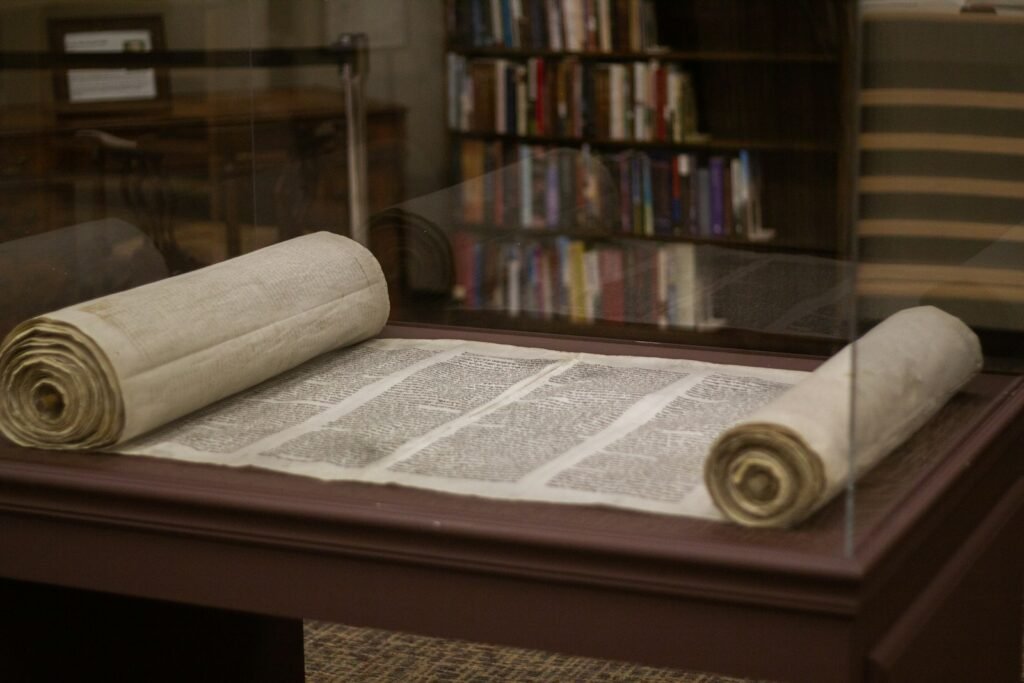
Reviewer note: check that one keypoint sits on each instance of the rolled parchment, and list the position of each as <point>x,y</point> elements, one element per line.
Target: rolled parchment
<point>790,457</point>
<point>101,372</point>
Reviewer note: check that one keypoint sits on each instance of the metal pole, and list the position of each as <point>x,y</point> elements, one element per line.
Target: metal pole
<point>353,73</point>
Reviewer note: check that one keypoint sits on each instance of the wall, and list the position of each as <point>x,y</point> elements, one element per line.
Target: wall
<point>407,44</point>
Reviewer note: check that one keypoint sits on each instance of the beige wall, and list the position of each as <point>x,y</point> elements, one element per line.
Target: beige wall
<point>407,67</point>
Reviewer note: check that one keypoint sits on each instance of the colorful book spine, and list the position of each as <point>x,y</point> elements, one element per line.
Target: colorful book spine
<point>647,192</point>
<point>577,282</point>
<point>572,25</point>
<point>703,202</point>
<point>716,194</point>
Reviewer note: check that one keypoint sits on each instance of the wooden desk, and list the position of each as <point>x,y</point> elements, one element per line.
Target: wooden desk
<point>254,159</point>
<point>931,592</point>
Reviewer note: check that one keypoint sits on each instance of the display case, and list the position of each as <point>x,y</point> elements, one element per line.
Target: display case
<point>680,333</point>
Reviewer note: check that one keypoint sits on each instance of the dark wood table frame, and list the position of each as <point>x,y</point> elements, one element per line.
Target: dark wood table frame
<point>134,565</point>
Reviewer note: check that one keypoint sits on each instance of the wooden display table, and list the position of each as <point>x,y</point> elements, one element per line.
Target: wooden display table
<point>931,591</point>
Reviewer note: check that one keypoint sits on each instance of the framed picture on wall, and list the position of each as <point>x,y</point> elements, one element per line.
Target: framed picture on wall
<point>109,88</point>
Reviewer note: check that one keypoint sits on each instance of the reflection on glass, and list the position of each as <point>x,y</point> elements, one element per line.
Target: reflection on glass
<point>941,187</point>
<point>570,235</point>
<point>680,173</point>
<point>50,270</point>
<point>239,140</point>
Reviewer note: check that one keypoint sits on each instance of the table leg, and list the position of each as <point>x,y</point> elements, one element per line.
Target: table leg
<point>60,634</point>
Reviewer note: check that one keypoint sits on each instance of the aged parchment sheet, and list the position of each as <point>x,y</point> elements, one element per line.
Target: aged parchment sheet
<point>485,419</point>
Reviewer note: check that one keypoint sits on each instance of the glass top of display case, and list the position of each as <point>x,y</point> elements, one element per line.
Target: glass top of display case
<point>745,198</point>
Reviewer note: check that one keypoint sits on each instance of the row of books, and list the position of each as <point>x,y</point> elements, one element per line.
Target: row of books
<point>627,281</point>
<point>628,193</point>
<point>570,25</point>
<point>685,195</point>
<point>533,187</point>
<point>649,101</point>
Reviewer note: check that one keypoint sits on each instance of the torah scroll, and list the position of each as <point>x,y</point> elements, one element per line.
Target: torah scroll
<point>789,457</point>
<point>162,370</point>
<point>101,372</point>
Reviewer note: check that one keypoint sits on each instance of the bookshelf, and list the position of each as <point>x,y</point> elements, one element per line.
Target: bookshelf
<point>596,142</point>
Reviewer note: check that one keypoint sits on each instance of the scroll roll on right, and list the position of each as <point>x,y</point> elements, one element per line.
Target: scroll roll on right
<point>790,457</point>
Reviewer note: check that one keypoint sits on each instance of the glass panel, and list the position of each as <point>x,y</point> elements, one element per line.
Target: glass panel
<point>231,132</point>
<point>631,175</point>
<point>940,208</point>
<point>682,174</point>
<point>652,171</point>
<point>642,180</point>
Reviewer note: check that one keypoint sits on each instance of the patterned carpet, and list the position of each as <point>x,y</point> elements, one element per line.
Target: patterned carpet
<point>336,654</point>
<point>342,654</point>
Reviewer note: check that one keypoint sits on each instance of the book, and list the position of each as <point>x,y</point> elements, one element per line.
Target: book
<point>513,273</point>
<point>604,25</point>
<point>601,77</point>
<point>501,97</point>
<point>613,298</point>
<point>662,266</point>
<point>507,23</point>
<point>538,215</point>
<point>703,194</point>
<point>555,30</point>
<point>660,78</point>
<point>646,195</point>
<point>471,191</point>
<point>525,186</point>
<point>639,90</point>
<point>570,25</point>
<point>543,259</point>
<point>689,190</point>
<point>577,282</point>
<point>739,197</point>
<point>636,179</point>
<point>484,94</point>
<point>685,285</point>
<point>729,228</point>
<point>454,64</point>
<point>572,14</point>
<point>591,284</point>
<point>623,173</point>
<point>617,124</point>
<point>552,191</point>
<point>522,104</point>
<point>663,188</point>
<point>716,195</point>
<point>562,267</point>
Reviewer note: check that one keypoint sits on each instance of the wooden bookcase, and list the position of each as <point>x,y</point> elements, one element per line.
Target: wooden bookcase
<point>770,81</point>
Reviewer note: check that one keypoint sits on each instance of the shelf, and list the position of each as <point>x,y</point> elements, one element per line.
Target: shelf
<point>666,55</point>
<point>444,312</point>
<point>708,144</point>
<point>769,78</point>
<point>594,235</point>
